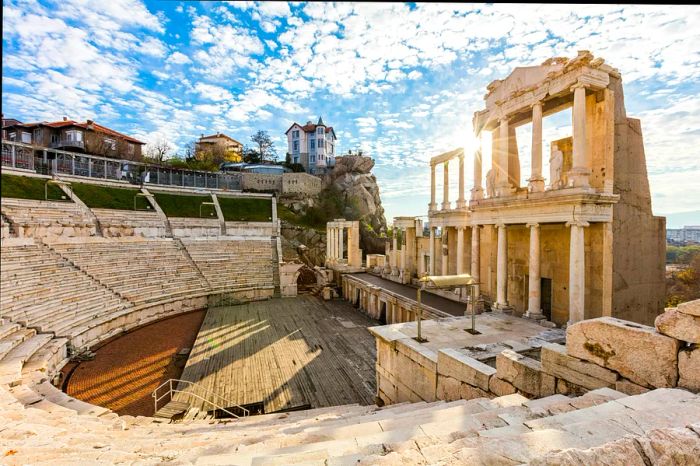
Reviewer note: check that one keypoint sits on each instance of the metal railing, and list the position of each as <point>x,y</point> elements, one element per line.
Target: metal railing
<point>171,390</point>
<point>48,161</point>
<point>67,143</point>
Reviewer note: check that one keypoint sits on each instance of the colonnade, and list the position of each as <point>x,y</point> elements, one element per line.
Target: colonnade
<point>337,252</point>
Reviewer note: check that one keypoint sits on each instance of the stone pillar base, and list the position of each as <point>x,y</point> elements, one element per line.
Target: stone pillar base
<point>462,204</point>
<point>578,177</point>
<point>394,272</point>
<point>477,193</point>
<point>505,190</point>
<point>534,315</point>
<point>432,207</point>
<point>446,206</point>
<point>503,308</point>
<point>536,184</point>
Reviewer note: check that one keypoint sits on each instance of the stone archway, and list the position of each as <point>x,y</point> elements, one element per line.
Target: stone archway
<point>305,279</point>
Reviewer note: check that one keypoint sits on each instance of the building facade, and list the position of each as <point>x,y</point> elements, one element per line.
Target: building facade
<point>312,146</point>
<point>578,244</point>
<point>685,235</point>
<point>230,149</point>
<point>69,135</point>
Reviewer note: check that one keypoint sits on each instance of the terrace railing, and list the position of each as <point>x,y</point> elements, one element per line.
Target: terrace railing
<point>48,161</point>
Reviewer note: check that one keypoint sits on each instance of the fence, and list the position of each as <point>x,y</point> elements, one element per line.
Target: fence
<point>48,161</point>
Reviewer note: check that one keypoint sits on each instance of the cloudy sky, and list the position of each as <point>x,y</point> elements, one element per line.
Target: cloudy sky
<point>400,81</point>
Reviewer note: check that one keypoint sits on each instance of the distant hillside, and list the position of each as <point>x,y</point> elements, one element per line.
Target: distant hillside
<point>681,219</point>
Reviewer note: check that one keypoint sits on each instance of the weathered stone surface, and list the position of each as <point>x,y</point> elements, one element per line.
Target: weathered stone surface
<point>454,364</point>
<point>553,354</point>
<point>671,446</point>
<point>679,325</point>
<point>629,388</point>
<point>522,372</point>
<point>637,352</point>
<point>569,388</point>
<point>689,368</point>
<point>574,377</point>
<point>500,387</point>
<point>448,388</point>
<point>467,392</point>
<point>691,308</point>
<point>620,452</point>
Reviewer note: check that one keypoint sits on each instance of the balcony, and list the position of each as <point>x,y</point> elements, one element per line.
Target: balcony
<point>71,143</point>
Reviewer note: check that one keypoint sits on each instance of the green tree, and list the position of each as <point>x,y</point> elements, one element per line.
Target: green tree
<point>266,148</point>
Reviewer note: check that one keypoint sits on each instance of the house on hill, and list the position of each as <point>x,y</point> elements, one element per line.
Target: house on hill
<point>73,136</point>
<point>312,145</point>
<point>230,149</point>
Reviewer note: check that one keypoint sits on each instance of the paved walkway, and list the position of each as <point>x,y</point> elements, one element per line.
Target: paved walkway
<point>438,302</point>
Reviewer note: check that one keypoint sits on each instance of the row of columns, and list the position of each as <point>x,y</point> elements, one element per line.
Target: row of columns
<point>577,268</point>
<point>335,249</point>
<point>579,173</point>
<point>446,204</point>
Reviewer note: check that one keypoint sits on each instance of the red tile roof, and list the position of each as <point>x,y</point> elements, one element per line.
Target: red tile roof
<point>311,128</point>
<point>95,127</point>
<point>220,135</point>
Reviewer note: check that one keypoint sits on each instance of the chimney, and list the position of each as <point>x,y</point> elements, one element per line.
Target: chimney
<point>65,118</point>
<point>89,124</point>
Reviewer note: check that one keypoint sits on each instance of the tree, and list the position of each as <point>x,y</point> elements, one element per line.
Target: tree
<point>158,150</point>
<point>251,155</point>
<point>266,147</point>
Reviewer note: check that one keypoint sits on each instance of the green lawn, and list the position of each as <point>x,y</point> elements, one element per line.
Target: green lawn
<point>245,210</point>
<point>103,197</point>
<point>28,187</point>
<point>175,205</point>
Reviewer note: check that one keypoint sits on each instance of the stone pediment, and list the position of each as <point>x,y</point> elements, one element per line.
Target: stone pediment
<point>521,79</point>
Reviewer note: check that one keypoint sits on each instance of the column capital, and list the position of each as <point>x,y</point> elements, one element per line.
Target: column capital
<point>461,228</point>
<point>537,103</point>
<point>577,223</point>
<point>532,225</point>
<point>476,225</point>
<point>578,85</point>
<point>499,225</point>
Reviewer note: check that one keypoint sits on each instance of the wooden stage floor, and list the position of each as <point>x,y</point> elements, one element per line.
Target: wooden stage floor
<point>284,353</point>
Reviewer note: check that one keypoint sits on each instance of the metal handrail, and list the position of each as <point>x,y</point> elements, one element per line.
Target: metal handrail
<point>172,390</point>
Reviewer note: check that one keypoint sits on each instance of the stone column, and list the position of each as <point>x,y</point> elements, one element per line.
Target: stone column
<point>403,249</point>
<point>431,261</point>
<point>394,252</point>
<point>461,202</point>
<point>335,244</point>
<point>579,172</point>
<point>477,190</point>
<point>502,270</point>
<point>445,252</point>
<point>536,181</point>
<point>433,204</point>
<point>502,183</point>
<point>534,301</point>
<point>328,244</point>
<point>341,231</point>
<point>577,271</point>
<point>446,185</point>
<point>476,250</point>
<point>460,250</point>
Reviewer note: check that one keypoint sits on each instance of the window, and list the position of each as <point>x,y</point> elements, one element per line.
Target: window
<point>319,130</point>
<point>313,143</point>
<point>54,137</point>
<point>332,149</point>
<point>38,136</point>
<point>110,143</point>
<point>295,146</point>
<point>26,137</point>
<point>12,136</point>
<point>295,133</point>
<point>312,158</point>
<point>130,148</point>
<point>320,143</point>
<point>74,135</point>
<point>296,159</point>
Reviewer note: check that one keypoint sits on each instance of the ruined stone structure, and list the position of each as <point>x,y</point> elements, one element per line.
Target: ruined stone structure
<point>343,245</point>
<point>584,245</point>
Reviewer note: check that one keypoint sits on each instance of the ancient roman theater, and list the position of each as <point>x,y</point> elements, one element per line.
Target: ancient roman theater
<point>519,325</point>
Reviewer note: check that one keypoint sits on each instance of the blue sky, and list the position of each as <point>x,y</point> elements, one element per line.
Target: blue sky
<point>400,81</point>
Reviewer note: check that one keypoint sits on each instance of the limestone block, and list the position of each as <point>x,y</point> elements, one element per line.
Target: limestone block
<point>448,388</point>
<point>553,354</point>
<point>569,388</point>
<point>575,377</point>
<point>621,451</point>
<point>522,372</point>
<point>454,364</point>
<point>500,387</point>
<point>679,325</point>
<point>467,392</point>
<point>548,385</point>
<point>629,388</point>
<point>691,308</point>
<point>637,352</point>
<point>689,368</point>
<point>671,446</point>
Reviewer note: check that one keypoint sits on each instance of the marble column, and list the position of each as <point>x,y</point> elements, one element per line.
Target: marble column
<point>431,261</point>
<point>461,202</point>
<point>335,244</point>
<point>433,204</point>
<point>341,232</point>
<point>460,250</point>
<point>403,249</point>
<point>534,300</point>
<point>502,270</point>
<point>328,244</point>
<point>577,271</point>
<point>476,250</point>
<point>446,185</point>
<point>477,190</point>
<point>579,172</point>
<point>502,183</point>
<point>445,252</point>
<point>394,252</point>
<point>536,181</point>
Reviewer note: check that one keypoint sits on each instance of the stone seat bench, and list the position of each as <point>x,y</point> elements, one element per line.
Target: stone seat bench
<point>11,365</point>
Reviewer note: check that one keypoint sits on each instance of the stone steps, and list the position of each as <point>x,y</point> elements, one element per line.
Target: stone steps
<point>11,365</point>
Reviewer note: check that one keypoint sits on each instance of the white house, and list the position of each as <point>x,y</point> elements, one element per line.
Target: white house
<point>311,145</point>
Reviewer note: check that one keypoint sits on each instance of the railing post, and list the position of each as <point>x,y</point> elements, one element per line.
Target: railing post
<point>105,173</point>
<point>72,165</point>
<point>14,156</point>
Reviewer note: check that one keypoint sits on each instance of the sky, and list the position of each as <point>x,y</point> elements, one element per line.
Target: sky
<point>400,81</point>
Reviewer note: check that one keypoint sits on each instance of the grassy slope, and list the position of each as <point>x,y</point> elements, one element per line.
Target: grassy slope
<point>103,197</point>
<point>175,205</point>
<point>27,187</point>
<point>246,210</point>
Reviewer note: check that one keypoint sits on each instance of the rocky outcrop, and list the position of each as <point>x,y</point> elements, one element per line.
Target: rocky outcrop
<point>302,244</point>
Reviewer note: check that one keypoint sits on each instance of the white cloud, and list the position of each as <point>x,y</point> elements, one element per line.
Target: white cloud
<point>178,58</point>
<point>211,92</point>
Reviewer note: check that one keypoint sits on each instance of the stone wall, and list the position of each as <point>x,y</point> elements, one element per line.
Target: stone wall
<point>602,352</point>
<point>301,184</point>
<point>261,182</point>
